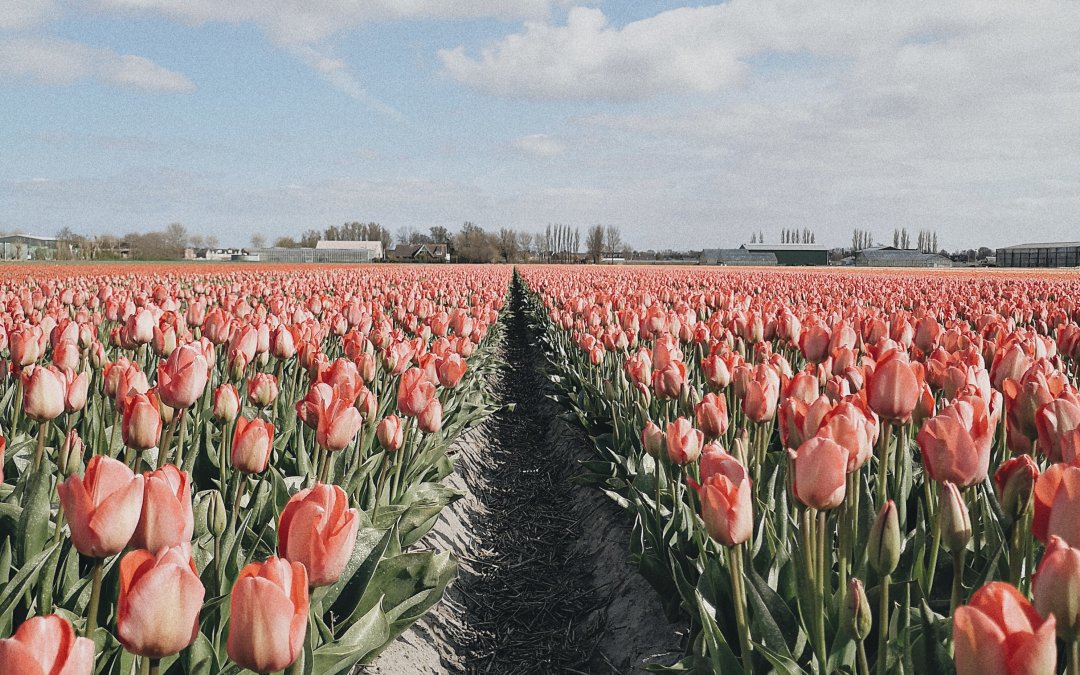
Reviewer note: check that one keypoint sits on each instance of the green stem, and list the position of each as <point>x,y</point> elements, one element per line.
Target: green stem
<point>738,591</point>
<point>1074,658</point>
<point>379,485</point>
<point>864,665</point>
<point>824,590</point>
<point>883,625</point>
<point>958,578</point>
<point>181,417</point>
<point>39,452</point>
<point>883,463</point>
<point>324,469</point>
<point>95,598</point>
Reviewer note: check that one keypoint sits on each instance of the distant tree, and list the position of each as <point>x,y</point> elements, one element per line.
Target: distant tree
<point>439,234</point>
<point>197,241</point>
<point>612,240</point>
<point>258,240</point>
<point>525,244</point>
<point>211,241</point>
<point>286,242</point>
<point>176,236</point>
<point>896,238</point>
<point>594,243</point>
<point>309,238</point>
<point>474,244</point>
<point>984,253</point>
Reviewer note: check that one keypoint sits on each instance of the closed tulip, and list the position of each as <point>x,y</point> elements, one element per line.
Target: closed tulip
<point>182,378</point>
<point>262,390</point>
<point>46,645</point>
<point>999,631</point>
<point>683,441</point>
<point>450,370</point>
<point>652,439</point>
<point>1055,421</point>
<point>161,595</point>
<point>762,393</point>
<point>76,387</point>
<point>415,391</point>
<point>727,507</point>
<point>167,520</point>
<point>821,473</point>
<point>430,419</point>
<point>102,507</point>
<point>268,615</point>
<point>141,426</point>
<point>338,425</point>
<point>1057,504</point>
<point>953,519</point>
<point>1015,483</point>
<point>226,403</point>
<point>251,444</point>
<point>390,433</point>
<point>44,391</point>
<point>893,387</point>
<point>668,382</point>
<point>317,528</point>
<point>1056,587</point>
<point>712,415</point>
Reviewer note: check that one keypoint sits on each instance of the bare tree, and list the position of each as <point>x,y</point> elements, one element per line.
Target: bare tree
<point>258,240</point>
<point>594,243</point>
<point>612,240</point>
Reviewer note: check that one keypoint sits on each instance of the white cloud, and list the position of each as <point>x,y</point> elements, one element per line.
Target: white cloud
<point>539,145</point>
<point>51,61</point>
<point>337,73</point>
<point>22,14</point>
<point>706,50</point>
<point>292,21</point>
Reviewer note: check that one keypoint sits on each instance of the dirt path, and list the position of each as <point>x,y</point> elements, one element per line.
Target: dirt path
<point>544,586</point>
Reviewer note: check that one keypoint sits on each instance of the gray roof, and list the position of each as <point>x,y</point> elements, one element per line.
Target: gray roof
<point>784,247</point>
<point>893,254</point>
<point>1051,244</point>
<point>737,256</point>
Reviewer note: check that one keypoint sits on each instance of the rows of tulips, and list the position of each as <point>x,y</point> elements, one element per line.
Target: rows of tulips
<point>207,472</point>
<point>837,472</point>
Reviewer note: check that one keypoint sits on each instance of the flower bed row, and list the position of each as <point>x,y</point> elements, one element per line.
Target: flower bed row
<point>207,472</point>
<point>837,472</point>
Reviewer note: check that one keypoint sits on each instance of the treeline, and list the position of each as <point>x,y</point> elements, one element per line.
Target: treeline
<point>167,244</point>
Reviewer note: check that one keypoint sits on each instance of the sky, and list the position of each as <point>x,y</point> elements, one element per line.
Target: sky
<point>686,126</point>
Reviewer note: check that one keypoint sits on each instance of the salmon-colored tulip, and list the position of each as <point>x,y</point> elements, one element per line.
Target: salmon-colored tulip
<point>44,390</point>
<point>854,427</point>
<point>76,387</point>
<point>727,500</point>
<point>668,382</point>
<point>102,507</point>
<point>167,518</point>
<point>1055,421</point>
<point>390,433</point>
<point>762,393</point>
<point>450,370</point>
<point>415,391</point>
<point>893,386</point>
<point>821,473</point>
<point>268,617</point>
<point>161,595</point>
<point>1015,483</point>
<point>226,403</point>
<point>251,445</point>
<point>683,441</point>
<point>999,631</point>
<point>182,378</point>
<point>46,645</point>
<point>712,415</point>
<point>1057,504</point>
<point>310,408</point>
<point>430,419</point>
<point>141,426</point>
<point>338,425</point>
<point>317,528</point>
<point>652,439</point>
<point>956,443</point>
<point>1056,587</point>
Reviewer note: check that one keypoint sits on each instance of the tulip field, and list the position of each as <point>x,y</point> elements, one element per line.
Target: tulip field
<point>232,469</point>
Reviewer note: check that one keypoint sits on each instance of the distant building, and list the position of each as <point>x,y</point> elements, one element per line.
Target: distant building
<point>421,253</point>
<point>219,254</point>
<point>277,254</point>
<point>1059,254</point>
<point>889,256</point>
<point>27,247</point>
<point>372,249</point>
<point>736,257</point>
<point>793,254</point>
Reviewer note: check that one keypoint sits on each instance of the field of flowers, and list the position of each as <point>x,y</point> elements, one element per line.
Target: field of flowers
<point>225,469</point>
<point>207,470</point>
<point>837,472</point>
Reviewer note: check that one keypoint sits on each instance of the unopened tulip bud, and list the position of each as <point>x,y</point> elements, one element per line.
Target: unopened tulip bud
<point>652,439</point>
<point>216,519</point>
<point>430,418</point>
<point>1015,483</point>
<point>71,454</point>
<point>226,403</point>
<point>885,545</point>
<point>856,616</point>
<point>237,365</point>
<point>390,433</point>
<point>1055,587</point>
<point>953,519</point>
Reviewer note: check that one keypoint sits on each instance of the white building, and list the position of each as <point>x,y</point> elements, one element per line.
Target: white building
<point>373,249</point>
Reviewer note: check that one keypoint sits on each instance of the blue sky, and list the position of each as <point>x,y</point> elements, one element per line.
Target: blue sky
<point>686,126</point>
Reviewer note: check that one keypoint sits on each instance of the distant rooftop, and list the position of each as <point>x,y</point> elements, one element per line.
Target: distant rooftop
<point>1051,244</point>
<point>784,247</point>
<point>324,244</point>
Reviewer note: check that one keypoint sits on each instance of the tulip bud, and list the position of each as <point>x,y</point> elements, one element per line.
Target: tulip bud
<point>237,364</point>
<point>226,403</point>
<point>856,615</point>
<point>390,433</point>
<point>1056,587</point>
<point>885,543</point>
<point>71,454</point>
<point>216,519</point>
<point>652,439</point>
<point>953,519</point>
<point>1015,482</point>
